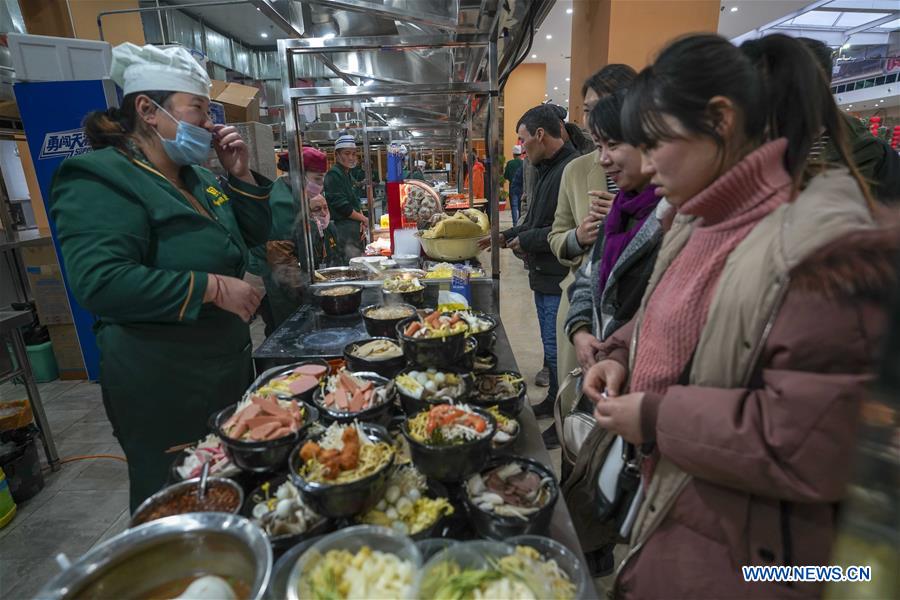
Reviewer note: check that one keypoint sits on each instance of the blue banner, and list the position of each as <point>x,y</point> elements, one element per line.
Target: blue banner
<point>52,114</point>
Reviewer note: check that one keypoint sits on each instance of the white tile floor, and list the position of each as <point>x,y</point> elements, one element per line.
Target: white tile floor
<point>86,502</point>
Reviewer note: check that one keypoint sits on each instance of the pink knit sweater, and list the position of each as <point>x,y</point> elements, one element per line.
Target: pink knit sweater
<point>677,310</point>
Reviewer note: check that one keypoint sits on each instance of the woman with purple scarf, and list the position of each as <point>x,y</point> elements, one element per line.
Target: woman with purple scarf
<point>608,288</point>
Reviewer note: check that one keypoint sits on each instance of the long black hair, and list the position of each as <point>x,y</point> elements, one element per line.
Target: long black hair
<point>605,119</point>
<point>113,126</point>
<point>609,79</point>
<point>775,82</point>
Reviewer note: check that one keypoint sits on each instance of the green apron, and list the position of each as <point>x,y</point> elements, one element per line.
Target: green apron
<point>342,200</point>
<point>137,255</point>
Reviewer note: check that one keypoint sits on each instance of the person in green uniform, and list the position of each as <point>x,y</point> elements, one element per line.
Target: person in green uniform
<point>327,251</point>
<point>418,172</point>
<point>343,202</point>
<point>156,248</point>
<point>277,261</point>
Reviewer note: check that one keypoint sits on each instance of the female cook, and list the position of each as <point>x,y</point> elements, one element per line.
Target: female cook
<point>343,200</point>
<point>156,248</point>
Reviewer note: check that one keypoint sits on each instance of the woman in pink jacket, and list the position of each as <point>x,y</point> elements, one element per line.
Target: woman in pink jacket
<point>742,374</point>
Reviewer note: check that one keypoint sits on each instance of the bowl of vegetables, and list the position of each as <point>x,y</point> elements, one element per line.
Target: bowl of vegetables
<point>361,396</point>
<point>340,299</point>
<point>487,569</point>
<point>504,389</point>
<point>357,562</point>
<point>411,505</point>
<point>259,431</point>
<point>558,564</point>
<point>278,509</point>
<point>434,340</point>
<point>508,430</point>
<point>449,442</point>
<point>481,327</point>
<point>297,381</point>
<point>380,355</point>
<point>381,319</point>
<point>419,389</point>
<point>403,290</point>
<point>343,470</point>
<point>513,495</point>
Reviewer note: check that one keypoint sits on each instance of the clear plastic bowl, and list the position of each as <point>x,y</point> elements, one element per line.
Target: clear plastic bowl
<point>353,539</point>
<point>567,560</point>
<point>468,555</point>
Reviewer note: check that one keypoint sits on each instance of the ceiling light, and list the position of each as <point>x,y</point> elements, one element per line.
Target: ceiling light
<point>567,100</point>
<point>264,34</point>
<point>555,88</point>
<point>569,11</point>
<point>845,46</point>
<point>534,56</point>
<point>329,36</point>
<point>567,79</point>
<point>549,37</point>
<point>851,106</point>
<point>734,9</point>
<point>545,95</point>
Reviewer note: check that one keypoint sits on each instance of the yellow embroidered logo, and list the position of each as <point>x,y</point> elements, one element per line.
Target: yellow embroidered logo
<point>218,197</point>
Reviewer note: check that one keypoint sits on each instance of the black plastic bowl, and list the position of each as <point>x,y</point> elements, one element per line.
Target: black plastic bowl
<point>508,405</point>
<point>487,338</point>
<point>282,543</point>
<point>344,499</point>
<point>467,362</point>
<point>261,457</point>
<point>431,352</point>
<point>434,489</point>
<point>416,298</point>
<point>380,414</point>
<point>384,327</point>
<point>279,371</point>
<point>339,305</point>
<point>388,367</point>
<point>451,463</point>
<point>496,527</point>
<point>412,405</point>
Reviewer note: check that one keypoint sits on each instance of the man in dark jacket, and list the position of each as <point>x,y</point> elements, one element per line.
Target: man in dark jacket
<point>540,130</point>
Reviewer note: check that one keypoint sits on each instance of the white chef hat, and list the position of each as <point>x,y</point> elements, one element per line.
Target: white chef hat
<point>403,149</point>
<point>345,141</point>
<point>517,149</point>
<point>149,68</point>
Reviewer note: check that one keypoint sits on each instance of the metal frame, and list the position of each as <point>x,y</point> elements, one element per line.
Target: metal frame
<point>368,99</point>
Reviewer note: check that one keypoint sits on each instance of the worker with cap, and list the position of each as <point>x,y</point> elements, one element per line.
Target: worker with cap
<point>277,261</point>
<point>515,184</point>
<point>418,172</point>
<point>156,247</point>
<point>343,200</point>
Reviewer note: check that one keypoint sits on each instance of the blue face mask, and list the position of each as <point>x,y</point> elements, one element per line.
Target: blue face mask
<point>191,143</point>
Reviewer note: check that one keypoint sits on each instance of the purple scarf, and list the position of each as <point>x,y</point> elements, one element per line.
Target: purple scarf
<point>626,206</point>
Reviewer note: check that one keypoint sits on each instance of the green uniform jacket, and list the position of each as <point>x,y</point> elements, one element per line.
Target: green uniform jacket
<point>342,200</point>
<point>282,299</point>
<point>417,174</point>
<point>137,254</point>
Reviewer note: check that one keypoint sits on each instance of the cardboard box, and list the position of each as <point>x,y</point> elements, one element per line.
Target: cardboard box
<point>241,101</point>
<point>47,285</point>
<point>67,352</point>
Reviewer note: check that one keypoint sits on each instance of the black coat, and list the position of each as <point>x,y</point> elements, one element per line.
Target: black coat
<point>544,271</point>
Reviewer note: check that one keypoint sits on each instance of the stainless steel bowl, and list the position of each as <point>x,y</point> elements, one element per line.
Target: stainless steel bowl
<point>142,559</point>
<point>177,489</point>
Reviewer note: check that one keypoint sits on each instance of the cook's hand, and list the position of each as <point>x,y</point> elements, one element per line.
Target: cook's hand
<point>514,245</point>
<point>232,294</point>
<point>587,232</point>
<point>586,347</point>
<point>232,152</point>
<point>485,243</point>
<point>621,415</point>
<point>607,375</point>
<point>601,202</point>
